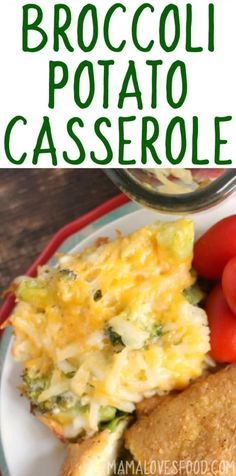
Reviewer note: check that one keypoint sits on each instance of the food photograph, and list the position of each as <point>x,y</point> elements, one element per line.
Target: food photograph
<point>118,322</point>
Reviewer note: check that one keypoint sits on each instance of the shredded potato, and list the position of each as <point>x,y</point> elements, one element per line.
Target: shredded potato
<point>110,326</point>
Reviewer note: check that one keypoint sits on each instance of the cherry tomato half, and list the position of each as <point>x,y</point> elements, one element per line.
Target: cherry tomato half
<point>222,323</point>
<point>229,284</point>
<point>215,248</point>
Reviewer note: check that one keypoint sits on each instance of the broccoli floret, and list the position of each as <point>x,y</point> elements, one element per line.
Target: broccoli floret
<point>157,331</point>
<point>34,387</point>
<point>32,291</point>
<point>71,374</point>
<point>114,337</point>
<point>68,274</point>
<point>194,294</point>
<point>97,295</point>
<point>64,401</point>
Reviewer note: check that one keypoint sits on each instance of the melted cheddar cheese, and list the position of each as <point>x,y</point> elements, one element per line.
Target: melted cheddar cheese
<point>110,326</point>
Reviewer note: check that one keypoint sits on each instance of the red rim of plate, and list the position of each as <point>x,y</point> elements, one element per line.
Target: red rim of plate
<point>56,241</point>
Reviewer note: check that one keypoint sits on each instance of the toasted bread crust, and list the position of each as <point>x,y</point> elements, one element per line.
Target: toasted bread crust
<point>198,424</point>
<point>55,427</point>
<point>148,405</point>
<point>96,455</point>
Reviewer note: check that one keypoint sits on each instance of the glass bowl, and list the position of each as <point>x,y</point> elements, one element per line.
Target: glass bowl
<point>176,194</point>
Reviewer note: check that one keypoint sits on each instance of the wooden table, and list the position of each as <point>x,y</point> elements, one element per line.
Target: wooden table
<point>34,204</point>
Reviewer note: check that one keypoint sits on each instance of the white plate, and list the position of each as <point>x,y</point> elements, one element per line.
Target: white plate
<point>28,448</point>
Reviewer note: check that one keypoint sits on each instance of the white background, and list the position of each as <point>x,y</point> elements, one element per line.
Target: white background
<point>211,82</point>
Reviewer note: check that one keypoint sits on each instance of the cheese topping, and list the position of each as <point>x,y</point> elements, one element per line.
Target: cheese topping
<point>110,326</point>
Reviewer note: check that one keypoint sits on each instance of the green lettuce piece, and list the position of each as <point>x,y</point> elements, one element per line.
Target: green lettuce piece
<point>112,425</point>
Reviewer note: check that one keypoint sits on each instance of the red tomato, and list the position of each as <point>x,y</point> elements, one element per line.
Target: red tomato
<point>229,284</point>
<point>215,248</point>
<point>201,175</point>
<point>222,324</point>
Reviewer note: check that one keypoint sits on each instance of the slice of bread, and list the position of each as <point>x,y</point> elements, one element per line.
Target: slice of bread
<point>96,455</point>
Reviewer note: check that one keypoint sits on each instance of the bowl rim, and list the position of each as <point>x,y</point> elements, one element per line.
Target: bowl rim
<point>190,202</point>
